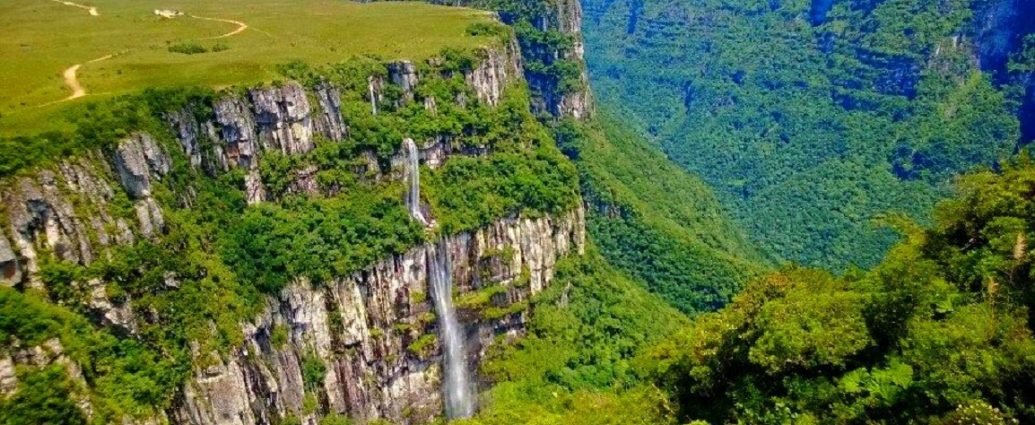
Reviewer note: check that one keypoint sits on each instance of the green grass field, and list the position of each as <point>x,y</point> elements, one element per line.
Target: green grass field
<point>43,38</point>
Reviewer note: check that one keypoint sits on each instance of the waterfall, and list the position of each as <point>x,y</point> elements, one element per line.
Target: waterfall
<point>413,180</point>
<point>457,388</point>
<point>373,95</point>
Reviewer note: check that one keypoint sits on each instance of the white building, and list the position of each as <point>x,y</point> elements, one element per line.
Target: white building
<point>168,13</point>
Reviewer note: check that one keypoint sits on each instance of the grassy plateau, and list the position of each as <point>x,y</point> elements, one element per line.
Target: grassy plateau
<point>122,46</point>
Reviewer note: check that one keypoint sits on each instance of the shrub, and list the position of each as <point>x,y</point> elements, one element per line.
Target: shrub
<point>188,48</point>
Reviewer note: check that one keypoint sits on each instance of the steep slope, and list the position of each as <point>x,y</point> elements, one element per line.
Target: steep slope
<point>811,119</point>
<point>650,220</point>
<point>654,220</point>
<point>550,34</point>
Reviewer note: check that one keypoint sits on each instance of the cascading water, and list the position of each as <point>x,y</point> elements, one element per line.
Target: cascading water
<point>457,386</point>
<point>413,180</point>
<point>373,95</point>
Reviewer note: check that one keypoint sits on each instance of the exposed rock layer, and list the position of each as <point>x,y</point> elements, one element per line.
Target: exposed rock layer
<point>365,328</point>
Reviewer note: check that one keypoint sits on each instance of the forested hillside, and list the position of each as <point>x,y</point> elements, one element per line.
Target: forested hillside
<point>811,119</point>
<point>940,332</point>
<point>655,220</point>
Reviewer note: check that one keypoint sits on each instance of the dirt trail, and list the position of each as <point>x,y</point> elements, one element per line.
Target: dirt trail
<point>72,79</point>
<point>92,10</point>
<point>71,74</point>
<point>241,26</point>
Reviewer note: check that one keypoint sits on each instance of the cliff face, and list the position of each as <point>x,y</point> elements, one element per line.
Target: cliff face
<point>370,330</point>
<point>1002,30</point>
<point>288,118</point>
<point>565,96</point>
<point>372,334</point>
<point>576,102</point>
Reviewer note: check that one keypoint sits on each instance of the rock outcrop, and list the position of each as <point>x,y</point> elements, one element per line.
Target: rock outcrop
<point>575,103</point>
<point>289,118</point>
<point>404,75</point>
<point>369,331</point>
<point>550,96</point>
<point>490,77</point>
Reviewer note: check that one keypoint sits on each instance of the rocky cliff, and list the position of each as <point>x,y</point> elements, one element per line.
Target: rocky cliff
<point>362,345</point>
<point>375,330</point>
<point>1003,32</point>
<point>558,78</point>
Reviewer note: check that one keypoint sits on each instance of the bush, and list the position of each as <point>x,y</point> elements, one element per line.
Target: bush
<point>313,371</point>
<point>188,48</point>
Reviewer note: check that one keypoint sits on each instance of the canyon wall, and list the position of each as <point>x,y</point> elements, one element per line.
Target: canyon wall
<point>373,333</point>
<point>375,330</point>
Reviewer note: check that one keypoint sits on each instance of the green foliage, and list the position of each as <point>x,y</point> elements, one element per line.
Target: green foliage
<point>801,330</point>
<point>573,367</point>
<point>655,221</point>
<point>43,396</point>
<point>335,419</point>
<point>218,258</point>
<point>940,332</point>
<point>423,346</point>
<point>547,52</point>
<point>96,125</point>
<point>274,243</point>
<point>313,371</point>
<point>279,336</point>
<point>188,48</point>
<point>808,125</point>
<point>468,193</point>
<point>478,299</point>
<point>128,376</point>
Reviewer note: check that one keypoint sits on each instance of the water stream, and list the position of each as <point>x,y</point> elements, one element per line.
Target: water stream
<point>413,180</point>
<point>457,387</point>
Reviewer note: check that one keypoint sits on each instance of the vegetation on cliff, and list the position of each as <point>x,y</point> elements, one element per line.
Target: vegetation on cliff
<point>574,366</point>
<point>940,332</point>
<point>846,113</point>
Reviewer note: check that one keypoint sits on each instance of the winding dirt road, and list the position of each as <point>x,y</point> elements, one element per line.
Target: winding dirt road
<point>71,74</point>
<point>89,9</point>
<point>241,26</point>
<point>72,79</point>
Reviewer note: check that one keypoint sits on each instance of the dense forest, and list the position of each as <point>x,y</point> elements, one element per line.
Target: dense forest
<point>939,332</point>
<point>810,119</point>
